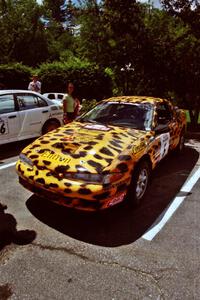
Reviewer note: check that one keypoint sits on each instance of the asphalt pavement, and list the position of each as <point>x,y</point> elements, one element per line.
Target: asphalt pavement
<point>51,252</point>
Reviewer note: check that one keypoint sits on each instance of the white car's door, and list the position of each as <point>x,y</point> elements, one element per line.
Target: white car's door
<point>33,112</point>
<point>9,119</point>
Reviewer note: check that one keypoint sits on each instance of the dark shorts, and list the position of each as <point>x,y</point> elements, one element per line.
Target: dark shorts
<point>70,116</point>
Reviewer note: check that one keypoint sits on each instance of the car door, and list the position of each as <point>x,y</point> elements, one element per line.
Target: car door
<point>9,119</point>
<point>165,115</point>
<point>161,144</point>
<point>166,126</point>
<point>33,112</point>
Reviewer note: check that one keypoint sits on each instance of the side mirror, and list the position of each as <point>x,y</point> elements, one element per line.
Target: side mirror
<point>161,128</point>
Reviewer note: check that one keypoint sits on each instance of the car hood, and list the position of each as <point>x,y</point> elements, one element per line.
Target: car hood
<point>86,147</point>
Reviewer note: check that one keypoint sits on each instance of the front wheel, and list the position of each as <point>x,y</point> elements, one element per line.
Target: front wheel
<point>139,183</point>
<point>50,125</point>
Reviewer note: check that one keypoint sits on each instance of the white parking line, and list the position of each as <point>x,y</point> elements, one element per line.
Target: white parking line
<point>8,165</point>
<point>187,187</point>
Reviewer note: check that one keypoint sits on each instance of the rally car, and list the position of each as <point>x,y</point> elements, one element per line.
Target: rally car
<point>106,155</point>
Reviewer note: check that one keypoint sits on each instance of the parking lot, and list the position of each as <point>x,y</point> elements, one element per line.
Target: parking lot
<point>76,255</point>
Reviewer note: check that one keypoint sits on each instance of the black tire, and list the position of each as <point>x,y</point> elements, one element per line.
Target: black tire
<point>180,147</point>
<point>139,183</point>
<point>50,125</point>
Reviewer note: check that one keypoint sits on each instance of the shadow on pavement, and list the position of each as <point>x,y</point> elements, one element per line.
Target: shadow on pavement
<point>120,225</point>
<point>193,135</point>
<point>9,233</point>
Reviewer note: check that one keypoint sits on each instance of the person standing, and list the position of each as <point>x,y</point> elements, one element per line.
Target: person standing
<point>70,104</point>
<point>35,84</point>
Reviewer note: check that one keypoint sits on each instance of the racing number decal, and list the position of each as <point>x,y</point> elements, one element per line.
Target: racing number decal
<point>161,144</point>
<point>164,147</point>
<point>3,127</point>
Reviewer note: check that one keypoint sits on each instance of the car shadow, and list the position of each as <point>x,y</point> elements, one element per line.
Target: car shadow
<point>13,149</point>
<point>121,224</point>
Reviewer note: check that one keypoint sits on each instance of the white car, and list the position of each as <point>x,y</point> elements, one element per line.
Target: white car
<point>54,96</point>
<point>26,114</point>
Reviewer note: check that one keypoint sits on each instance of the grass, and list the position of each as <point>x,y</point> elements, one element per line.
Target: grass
<point>188,117</point>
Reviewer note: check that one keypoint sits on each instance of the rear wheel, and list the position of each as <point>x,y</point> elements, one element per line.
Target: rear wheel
<point>50,125</point>
<point>179,148</point>
<point>139,183</point>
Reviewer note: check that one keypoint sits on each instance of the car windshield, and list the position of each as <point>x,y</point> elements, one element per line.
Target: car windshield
<point>133,115</point>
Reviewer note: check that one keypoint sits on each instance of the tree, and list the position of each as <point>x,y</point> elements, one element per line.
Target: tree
<point>125,28</point>
<point>22,32</point>
<point>188,53</point>
<point>112,35</point>
<point>59,19</point>
<point>55,10</point>
<point>91,40</point>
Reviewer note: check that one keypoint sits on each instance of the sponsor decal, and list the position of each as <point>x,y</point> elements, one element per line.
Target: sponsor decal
<point>116,199</point>
<point>97,127</point>
<point>54,157</point>
<point>164,139</point>
<point>139,147</point>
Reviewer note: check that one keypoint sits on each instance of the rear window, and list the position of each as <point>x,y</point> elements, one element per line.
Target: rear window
<point>7,104</point>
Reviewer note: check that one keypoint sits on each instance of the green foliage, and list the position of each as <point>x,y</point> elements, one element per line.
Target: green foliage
<point>92,40</point>
<point>87,105</point>
<point>105,47</point>
<point>22,34</point>
<point>187,54</point>
<point>53,9</point>
<point>15,76</point>
<point>91,81</point>
<point>125,30</point>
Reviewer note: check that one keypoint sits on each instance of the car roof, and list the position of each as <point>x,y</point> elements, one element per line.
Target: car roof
<point>16,91</point>
<point>135,99</point>
<point>54,93</point>
<point>49,101</point>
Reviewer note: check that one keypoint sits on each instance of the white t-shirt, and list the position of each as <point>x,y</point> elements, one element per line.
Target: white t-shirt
<point>35,86</point>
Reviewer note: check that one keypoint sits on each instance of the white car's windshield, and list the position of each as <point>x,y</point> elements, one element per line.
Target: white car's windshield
<point>134,115</point>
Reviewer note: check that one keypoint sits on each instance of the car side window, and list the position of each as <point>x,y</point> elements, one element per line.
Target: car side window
<point>164,113</point>
<point>7,104</point>
<point>60,96</point>
<point>41,102</point>
<point>30,101</point>
<point>51,96</point>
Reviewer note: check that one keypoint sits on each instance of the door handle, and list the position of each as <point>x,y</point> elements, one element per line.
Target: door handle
<point>12,117</point>
<point>45,111</point>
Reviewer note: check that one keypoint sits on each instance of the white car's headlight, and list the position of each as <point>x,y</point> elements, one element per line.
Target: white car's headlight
<point>23,158</point>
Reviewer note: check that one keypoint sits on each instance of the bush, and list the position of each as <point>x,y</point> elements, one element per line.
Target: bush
<point>15,76</point>
<point>91,82</point>
<point>87,105</point>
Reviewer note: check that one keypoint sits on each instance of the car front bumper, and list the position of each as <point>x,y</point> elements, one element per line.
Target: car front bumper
<point>76,203</point>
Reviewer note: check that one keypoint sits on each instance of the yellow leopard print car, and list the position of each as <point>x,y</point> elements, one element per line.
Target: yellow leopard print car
<point>106,155</point>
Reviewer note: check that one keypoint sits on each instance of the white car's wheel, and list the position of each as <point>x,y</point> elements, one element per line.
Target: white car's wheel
<point>50,125</point>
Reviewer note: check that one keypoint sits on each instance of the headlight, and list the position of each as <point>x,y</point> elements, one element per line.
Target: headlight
<point>94,178</point>
<point>23,158</point>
